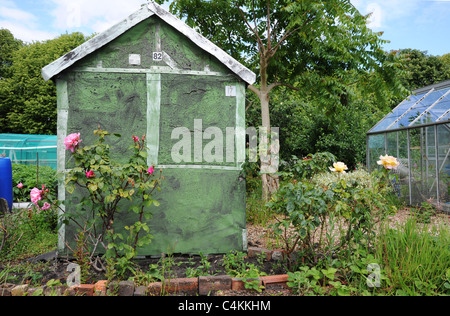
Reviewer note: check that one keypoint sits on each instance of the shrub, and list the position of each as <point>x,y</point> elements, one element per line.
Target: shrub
<point>103,183</point>
<point>311,199</point>
<point>30,178</point>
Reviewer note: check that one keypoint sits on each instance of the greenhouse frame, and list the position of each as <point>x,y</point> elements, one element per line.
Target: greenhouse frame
<point>417,133</point>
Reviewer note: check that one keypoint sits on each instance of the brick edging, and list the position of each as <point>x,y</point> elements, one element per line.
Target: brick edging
<point>202,286</point>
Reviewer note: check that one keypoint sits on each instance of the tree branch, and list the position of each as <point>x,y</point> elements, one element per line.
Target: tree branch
<point>254,89</point>
<point>278,84</point>
<point>254,31</point>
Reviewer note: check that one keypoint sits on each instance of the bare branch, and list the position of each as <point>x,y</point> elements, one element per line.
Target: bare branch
<point>254,30</point>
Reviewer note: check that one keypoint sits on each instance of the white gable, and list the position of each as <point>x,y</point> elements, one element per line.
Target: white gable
<point>144,13</point>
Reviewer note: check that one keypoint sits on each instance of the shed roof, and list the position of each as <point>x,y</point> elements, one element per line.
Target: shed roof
<point>61,64</point>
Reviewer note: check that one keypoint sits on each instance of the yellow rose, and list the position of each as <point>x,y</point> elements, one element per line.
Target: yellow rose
<point>388,162</point>
<point>339,167</point>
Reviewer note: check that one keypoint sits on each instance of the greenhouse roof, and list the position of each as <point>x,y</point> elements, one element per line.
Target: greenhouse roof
<point>427,105</point>
<point>19,141</point>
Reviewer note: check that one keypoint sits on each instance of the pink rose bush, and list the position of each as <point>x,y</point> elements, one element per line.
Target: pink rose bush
<point>106,182</point>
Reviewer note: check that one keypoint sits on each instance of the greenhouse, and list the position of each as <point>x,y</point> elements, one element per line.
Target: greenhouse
<point>29,149</point>
<point>417,132</point>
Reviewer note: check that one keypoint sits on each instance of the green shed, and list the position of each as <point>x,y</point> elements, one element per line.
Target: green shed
<point>152,74</point>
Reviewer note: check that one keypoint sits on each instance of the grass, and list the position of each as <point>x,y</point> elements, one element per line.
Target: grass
<point>24,234</point>
<point>415,257</point>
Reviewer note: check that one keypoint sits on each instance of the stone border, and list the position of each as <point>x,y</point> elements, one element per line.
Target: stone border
<point>202,286</point>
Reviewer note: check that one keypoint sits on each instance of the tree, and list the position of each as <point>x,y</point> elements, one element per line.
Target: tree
<point>8,45</point>
<point>27,102</point>
<point>424,69</point>
<point>318,48</point>
<point>446,60</point>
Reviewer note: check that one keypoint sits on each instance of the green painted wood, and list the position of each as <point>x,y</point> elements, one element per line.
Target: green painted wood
<point>200,211</point>
<point>153,117</point>
<point>63,114</point>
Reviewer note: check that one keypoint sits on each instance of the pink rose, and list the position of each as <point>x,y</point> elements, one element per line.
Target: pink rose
<point>136,139</point>
<point>150,170</point>
<point>46,206</point>
<point>35,195</point>
<point>72,141</point>
<point>90,174</point>
<point>20,185</point>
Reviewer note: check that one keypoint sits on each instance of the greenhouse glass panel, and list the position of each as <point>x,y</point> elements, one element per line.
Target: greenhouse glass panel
<point>444,162</point>
<point>29,149</point>
<point>441,108</point>
<point>397,113</point>
<point>376,149</point>
<point>429,158</point>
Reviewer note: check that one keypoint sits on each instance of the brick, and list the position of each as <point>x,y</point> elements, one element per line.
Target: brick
<point>84,289</point>
<point>141,291</point>
<point>210,284</point>
<point>126,288</point>
<point>19,290</point>
<point>274,281</point>
<point>100,288</point>
<point>153,289</point>
<point>5,289</point>
<point>253,252</point>
<point>41,289</point>
<point>186,286</point>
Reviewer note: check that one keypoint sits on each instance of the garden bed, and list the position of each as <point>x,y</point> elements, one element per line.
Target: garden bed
<point>180,268</point>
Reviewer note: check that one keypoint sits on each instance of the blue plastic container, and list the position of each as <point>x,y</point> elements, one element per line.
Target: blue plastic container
<point>6,190</point>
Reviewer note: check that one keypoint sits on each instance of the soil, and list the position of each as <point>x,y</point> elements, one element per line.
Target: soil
<point>177,265</point>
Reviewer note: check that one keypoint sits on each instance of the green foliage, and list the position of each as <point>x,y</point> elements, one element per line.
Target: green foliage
<point>424,69</point>
<point>26,233</point>
<point>307,167</point>
<point>8,45</point>
<point>30,178</point>
<point>235,266</point>
<point>27,102</point>
<point>416,258</point>
<point>306,201</point>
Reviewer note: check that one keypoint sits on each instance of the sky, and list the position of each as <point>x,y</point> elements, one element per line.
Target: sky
<point>417,24</point>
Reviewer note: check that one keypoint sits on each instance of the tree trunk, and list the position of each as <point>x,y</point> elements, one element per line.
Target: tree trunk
<point>270,182</point>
